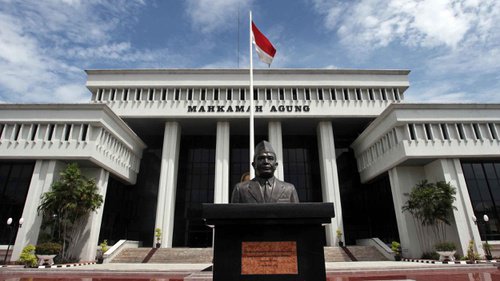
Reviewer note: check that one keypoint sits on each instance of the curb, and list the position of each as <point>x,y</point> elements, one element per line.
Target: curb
<point>66,265</point>
<point>450,262</point>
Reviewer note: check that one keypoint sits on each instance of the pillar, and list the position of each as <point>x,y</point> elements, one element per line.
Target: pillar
<point>464,229</point>
<point>329,178</point>
<point>276,140</point>
<point>168,182</point>
<point>221,186</point>
<point>44,173</point>
<point>88,239</point>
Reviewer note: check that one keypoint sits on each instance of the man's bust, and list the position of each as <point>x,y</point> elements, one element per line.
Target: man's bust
<point>264,188</point>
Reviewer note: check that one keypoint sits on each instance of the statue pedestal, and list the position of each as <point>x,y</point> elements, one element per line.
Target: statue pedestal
<point>268,241</point>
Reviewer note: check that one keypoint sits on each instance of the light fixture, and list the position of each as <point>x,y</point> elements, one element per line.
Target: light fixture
<point>486,218</point>
<point>9,221</point>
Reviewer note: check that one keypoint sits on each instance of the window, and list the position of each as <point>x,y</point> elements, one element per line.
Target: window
<point>346,94</point>
<point>384,94</point>
<point>125,94</point>
<point>242,94</point>
<point>483,184</point>
<point>177,94</point>
<point>358,94</point>
<point>461,132</point>
<point>164,94</point>
<point>370,94</point>
<point>282,94</point>
<point>216,94</point>
<point>333,94</point>
<point>203,92</point>
<point>444,131</point>
<point>493,132</point>
<point>428,131</point>
<point>15,178</point>
<point>190,94</point>
<point>411,129</point>
<point>320,94</point>
<point>229,94</point>
<point>268,94</point>
<point>308,94</point>
<point>477,131</point>
<point>294,94</point>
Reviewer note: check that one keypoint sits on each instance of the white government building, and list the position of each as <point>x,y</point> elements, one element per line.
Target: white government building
<point>162,141</point>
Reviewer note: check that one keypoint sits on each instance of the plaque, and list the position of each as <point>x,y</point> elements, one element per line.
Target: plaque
<point>265,258</point>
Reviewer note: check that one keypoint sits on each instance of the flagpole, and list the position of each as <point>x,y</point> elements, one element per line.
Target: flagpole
<point>252,173</point>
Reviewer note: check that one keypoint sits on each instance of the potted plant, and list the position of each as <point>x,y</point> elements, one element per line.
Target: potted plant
<point>103,247</point>
<point>487,251</point>
<point>339,237</point>
<point>396,248</point>
<point>158,237</point>
<point>471,255</point>
<point>46,252</point>
<point>446,251</point>
<point>28,257</point>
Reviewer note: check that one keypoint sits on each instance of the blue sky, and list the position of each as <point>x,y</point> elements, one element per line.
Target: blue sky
<point>452,47</point>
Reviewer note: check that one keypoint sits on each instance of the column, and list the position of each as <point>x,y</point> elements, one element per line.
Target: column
<point>168,182</point>
<point>276,140</point>
<point>86,249</point>
<point>221,187</point>
<point>329,178</point>
<point>464,229</point>
<point>402,180</point>
<point>44,173</point>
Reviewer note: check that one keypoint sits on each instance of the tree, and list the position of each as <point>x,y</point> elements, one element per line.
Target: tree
<point>431,205</point>
<point>71,199</point>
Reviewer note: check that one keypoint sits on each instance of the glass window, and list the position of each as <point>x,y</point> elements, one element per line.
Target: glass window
<point>195,185</point>
<point>15,178</point>
<point>483,184</point>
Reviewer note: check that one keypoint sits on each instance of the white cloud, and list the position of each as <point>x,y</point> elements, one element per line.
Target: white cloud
<point>45,44</point>
<point>214,15</point>
<point>427,23</point>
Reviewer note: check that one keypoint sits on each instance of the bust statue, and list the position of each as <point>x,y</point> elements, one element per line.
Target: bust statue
<point>264,188</point>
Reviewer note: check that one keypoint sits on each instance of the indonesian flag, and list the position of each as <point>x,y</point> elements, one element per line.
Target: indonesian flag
<point>264,48</point>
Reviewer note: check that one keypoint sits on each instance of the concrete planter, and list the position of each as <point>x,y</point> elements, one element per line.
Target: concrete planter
<point>45,259</point>
<point>446,255</point>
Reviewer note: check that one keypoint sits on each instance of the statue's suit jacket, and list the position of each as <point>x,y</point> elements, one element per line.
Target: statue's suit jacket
<point>250,192</point>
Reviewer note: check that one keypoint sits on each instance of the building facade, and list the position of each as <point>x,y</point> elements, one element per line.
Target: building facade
<point>161,142</point>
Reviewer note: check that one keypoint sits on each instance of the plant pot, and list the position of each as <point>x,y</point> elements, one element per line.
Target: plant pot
<point>100,260</point>
<point>488,257</point>
<point>46,259</point>
<point>446,255</point>
<point>158,245</point>
<point>397,257</point>
<point>341,244</point>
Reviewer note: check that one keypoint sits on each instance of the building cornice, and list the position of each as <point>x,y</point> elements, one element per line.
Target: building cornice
<point>302,71</point>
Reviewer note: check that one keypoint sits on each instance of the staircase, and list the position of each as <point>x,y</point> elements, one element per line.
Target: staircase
<point>165,255</point>
<point>204,255</point>
<point>335,254</point>
<point>131,255</point>
<point>366,253</point>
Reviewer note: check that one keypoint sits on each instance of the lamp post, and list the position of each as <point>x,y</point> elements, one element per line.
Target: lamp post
<point>486,246</point>
<point>9,225</point>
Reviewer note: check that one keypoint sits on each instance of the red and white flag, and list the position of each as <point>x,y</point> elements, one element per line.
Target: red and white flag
<point>263,46</point>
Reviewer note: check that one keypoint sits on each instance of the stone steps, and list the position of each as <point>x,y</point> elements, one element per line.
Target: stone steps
<point>131,255</point>
<point>366,253</point>
<point>204,255</point>
<point>182,255</point>
<point>335,254</point>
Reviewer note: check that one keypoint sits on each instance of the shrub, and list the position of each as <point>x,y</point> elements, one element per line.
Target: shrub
<point>445,246</point>
<point>48,248</point>
<point>430,256</point>
<point>28,257</point>
<point>396,247</point>
<point>471,255</point>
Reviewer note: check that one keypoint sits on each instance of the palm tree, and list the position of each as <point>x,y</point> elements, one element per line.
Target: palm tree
<point>431,204</point>
<point>72,198</point>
